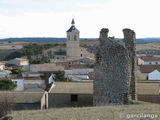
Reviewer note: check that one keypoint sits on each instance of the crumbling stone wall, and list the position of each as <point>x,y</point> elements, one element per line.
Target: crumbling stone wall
<point>130,44</point>
<point>112,70</point>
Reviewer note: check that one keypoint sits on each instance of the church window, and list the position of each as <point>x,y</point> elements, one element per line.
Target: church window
<point>75,37</point>
<point>68,37</point>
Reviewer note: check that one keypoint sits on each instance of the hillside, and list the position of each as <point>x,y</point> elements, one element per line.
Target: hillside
<point>52,39</point>
<point>90,113</point>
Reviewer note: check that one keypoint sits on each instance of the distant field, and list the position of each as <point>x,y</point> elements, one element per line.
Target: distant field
<point>92,113</point>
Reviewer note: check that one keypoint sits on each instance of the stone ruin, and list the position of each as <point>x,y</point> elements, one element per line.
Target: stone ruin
<point>115,69</point>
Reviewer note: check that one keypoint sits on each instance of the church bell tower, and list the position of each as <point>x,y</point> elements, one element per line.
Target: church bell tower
<point>73,49</point>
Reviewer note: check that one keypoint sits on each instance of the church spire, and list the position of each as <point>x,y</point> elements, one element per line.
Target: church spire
<point>73,22</point>
<point>73,27</point>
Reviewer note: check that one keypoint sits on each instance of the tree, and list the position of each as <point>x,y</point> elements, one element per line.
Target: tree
<point>7,84</point>
<point>40,60</point>
<point>59,76</point>
<point>17,71</point>
<point>45,59</point>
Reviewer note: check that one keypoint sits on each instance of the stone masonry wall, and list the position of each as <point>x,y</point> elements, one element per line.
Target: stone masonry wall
<point>130,44</point>
<point>112,72</point>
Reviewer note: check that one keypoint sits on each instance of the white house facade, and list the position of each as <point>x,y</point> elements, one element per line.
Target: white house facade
<point>20,84</point>
<point>155,75</point>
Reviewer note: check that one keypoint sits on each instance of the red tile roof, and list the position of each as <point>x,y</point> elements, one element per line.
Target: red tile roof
<point>4,62</point>
<point>148,68</point>
<point>150,58</point>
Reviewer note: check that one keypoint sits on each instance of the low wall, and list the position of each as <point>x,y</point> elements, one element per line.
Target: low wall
<point>149,98</point>
<point>27,106</point>
<point>148,91</point>
<point>64,100</point>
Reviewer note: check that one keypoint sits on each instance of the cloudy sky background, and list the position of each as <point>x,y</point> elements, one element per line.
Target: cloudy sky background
<point>51,18</point>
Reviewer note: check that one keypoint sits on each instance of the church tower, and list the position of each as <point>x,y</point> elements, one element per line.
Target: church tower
<point>73,49</point>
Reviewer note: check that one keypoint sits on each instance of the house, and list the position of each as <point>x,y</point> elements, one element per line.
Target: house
<point>29,81</point>
<point>148,90</point>
<point>148,83</point>
<point>31,74</point>
<point>86,60</point>
<point>19,62</point>
<point>155,75</point>
<point>4,74</point>
<point>65,94</point>
<point>148,60</point>
<point>2,66</point>
<point>43,67</point>
<point>34,84</point>
<point>144,70</point>
<point>20,84</point>
<point>26,100</point>
<point>78,74</point>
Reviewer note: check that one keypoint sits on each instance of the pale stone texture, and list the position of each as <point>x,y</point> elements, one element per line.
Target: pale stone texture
<point>73,49</point>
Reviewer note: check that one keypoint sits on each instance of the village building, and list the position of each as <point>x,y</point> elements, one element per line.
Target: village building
<point>29,81</point>
<point>67,94</point>
<point>46,70</point>
<point>148,83</point>
<point>148,90</point>
<point>148,60</point>
<point>4,74</point>
<point>19,62</point>
<point>47,67</point>
<point>146,72</point>
<point>79,74</point>
<point>72,51</point>
<point>26,100</point>
<point>2,66</point>
<point>154,75</point>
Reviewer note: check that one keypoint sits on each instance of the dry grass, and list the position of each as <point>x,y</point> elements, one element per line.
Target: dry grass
<point>89,113</point>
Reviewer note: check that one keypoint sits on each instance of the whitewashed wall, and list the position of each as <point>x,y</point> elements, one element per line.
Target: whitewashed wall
<point>20,84</point>
<point>155,75</point>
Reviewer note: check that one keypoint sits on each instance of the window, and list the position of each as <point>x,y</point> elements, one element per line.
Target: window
<point>81,55</point>
<point>75,37</point>
<point>74,98</point>
<point>68,37</point>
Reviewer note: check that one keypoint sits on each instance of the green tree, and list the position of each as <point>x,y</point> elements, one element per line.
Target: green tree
<point>59,76</point>
<point>46,59</point>
<point>7,84</point>
<point>17,71</point>
<point>40,60</point>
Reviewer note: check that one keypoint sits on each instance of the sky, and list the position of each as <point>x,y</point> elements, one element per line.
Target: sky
<point>52,18</point>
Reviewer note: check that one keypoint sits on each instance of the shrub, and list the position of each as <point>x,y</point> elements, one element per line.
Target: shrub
<point>17,71</point>
<point>7,84</point>
<point>6,105</point>
<point>59,76</point>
